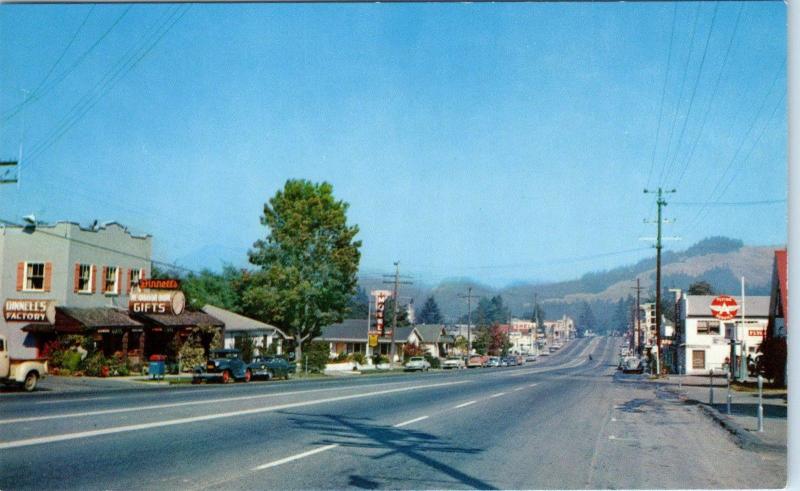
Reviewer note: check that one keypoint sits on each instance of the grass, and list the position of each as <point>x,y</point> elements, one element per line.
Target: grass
<point>753,387</point>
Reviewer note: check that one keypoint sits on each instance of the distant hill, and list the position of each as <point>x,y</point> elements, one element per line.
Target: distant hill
<point>721,261</point>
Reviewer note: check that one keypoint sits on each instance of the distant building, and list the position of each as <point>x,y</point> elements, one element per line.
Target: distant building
<point>779,298</point>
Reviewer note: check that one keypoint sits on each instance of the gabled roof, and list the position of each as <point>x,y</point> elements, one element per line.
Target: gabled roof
<point>401,336</point>
<point>700,305</point>
<point>238,323</point>
<point>95,317</point>
<point>782,270</point>
<point>430,333</point>
<point>351,330</point>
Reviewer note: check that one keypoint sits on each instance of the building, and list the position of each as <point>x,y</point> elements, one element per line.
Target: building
<point>238,328</point>
<point>702,340</point>
<point>349,336</point>
<point>67,279</point>
<point>778,298</point>
<point>435,340</point>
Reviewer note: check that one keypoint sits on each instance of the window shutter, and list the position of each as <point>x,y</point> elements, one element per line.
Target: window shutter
<point>76,278</point>
<point>130,272</point>
<point>93,279</point>
<point>20,276</point>
<point>103,279</point>
<point>48,276</point>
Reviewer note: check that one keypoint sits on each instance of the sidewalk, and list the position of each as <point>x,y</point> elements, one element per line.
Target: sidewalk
<point>744,407</point>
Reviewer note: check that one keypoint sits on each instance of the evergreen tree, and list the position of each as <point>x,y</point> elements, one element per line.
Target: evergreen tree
<point>430,313</point>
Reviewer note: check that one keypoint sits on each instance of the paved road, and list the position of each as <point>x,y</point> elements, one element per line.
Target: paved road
<point>562,422</point>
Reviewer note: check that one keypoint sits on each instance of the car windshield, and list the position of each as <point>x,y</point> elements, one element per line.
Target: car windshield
<point>416,358</point>
<point>263,359</point>
<point>225,354</point>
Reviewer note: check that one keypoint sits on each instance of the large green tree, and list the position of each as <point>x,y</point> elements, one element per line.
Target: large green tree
<point>430,313</point>
<point>307,263</point>
<point>208,287</point>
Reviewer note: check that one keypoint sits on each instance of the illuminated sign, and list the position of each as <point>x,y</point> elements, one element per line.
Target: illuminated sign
<point>159,284</point>
<point>19,310</point>
<point>162,302</point>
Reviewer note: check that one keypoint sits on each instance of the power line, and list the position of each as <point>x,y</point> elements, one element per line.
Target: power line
<point>714,92</point>
<point>16,109</point>
<point>691,99</point>
<point>729,203</point>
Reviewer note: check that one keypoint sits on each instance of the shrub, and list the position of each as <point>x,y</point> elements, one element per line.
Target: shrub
<point>248,346</point>
<point>378,359</point>
<point>342,357</point>
<point>94,364</point>
<point>410,350</point>
<point>315,358</point>
<point>359,358</point>
<point>71,360</point>
<point>434,361</point>
<point>191,356</point>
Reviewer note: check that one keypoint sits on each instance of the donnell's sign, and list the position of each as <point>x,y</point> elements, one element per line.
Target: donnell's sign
<point>164,284</point>
<point>168,302</point>
<point>30,311</point>
<point>724,307</point>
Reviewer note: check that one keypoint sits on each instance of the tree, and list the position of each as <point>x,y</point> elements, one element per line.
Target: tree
<point>358,305</point>
<point>482,340</point>
<point>402,314</point>
<point>308,262</point>
<point>212,288</point>
<point>461,345</point>
<point>538,316</point>
<point>700,288</point>
<point>498,341</point>
<point>772,362</point>
<point>586,319</point>
<point>430,313</point>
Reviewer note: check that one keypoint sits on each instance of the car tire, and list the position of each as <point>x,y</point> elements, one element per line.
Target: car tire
<point>226,377</point>
<point>247,375</point>
<point>269,376</point>
<point>31,380</point>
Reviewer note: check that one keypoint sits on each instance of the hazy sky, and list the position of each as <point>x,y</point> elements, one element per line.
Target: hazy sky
<point>499,141</point>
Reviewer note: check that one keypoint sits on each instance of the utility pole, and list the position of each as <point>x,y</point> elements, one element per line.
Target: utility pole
<point>468,296</point>
<point>397,282</point>
<point>637,327</point>
<point>660,201</point>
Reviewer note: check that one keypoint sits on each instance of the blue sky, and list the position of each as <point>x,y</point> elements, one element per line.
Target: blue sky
<point>498,141</point>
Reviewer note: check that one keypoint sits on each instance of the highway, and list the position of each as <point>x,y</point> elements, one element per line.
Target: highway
<point>563,422</point>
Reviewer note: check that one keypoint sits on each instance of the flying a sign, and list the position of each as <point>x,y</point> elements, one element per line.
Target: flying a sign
<point>724,307</point>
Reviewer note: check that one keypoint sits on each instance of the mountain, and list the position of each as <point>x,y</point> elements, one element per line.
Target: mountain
<point>721,261</point>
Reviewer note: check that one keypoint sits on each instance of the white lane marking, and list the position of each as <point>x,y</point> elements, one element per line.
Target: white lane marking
<point>533,385</point>
<point>207,417</point>
<point>497,395</point>
<point>182,404</point>
<point>74,400</point>
<point>612,437</point>
<point>518,388</point>
<point>406,423</point>
<point>465,404</point>
<point>295,457</point>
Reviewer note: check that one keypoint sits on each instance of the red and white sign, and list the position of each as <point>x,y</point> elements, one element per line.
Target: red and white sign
<point>757,332</point>
<point>380,300</point>
<point>724,307</point>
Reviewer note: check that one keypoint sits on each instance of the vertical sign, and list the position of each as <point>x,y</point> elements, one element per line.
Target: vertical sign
<point>380,301</point>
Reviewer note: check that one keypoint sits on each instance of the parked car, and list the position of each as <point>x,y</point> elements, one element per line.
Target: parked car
<point>269,367</point>
<point>224,365</point>
<point>494,361</point>
<point>454,362</point>
<point>520,359</point>
<point>24,373</point>
<point>476,361</point>
<point>417,363</point>
<point>510,361</point>
<point>530,358</point>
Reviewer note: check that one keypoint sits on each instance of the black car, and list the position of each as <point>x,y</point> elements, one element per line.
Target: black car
<point>270,367</point>
<point>224,365</point>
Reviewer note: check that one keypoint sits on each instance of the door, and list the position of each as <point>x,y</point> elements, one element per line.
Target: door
<point>4,363</point>
<point>698,359</point>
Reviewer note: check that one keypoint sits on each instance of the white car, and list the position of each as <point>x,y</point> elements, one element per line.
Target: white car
<point>454,362</point>
<point>417,363</point>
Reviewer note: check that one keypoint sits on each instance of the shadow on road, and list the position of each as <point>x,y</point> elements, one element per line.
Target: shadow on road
<point>355,432</point>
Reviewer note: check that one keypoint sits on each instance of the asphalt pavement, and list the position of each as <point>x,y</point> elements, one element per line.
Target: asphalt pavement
<point>562,422</point>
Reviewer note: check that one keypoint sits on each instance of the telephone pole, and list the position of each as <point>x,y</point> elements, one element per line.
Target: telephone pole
<point>469,297</point>
<point>396,282</point>
<point>638,324</point>
<point>660,201</point>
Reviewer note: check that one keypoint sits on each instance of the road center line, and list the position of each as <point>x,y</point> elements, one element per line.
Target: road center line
<point>465,404</point>
<point>518,388</point>
<point>208,417</point>
<point>406,423</point>
<point>295,457</point>
<point>182,404</point>
<point>497,395</point>
<point>74,400</point>
<point>533,385</point>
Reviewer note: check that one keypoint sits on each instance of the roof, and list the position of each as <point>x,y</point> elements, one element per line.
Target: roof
<point>186,319</point>
<point>430,333</point>
<point>700,305</point>
<point>238,323</point>
<point>95,317</point>
<point>354,330</point>
<point>402,334</point>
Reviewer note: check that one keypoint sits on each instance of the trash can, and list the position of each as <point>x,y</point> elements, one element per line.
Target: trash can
<point>156,367</point>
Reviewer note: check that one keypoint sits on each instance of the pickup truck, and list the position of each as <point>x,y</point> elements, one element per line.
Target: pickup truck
<point>14,371</point>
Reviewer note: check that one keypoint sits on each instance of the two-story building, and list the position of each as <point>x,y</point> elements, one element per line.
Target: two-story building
<point>702,340</point>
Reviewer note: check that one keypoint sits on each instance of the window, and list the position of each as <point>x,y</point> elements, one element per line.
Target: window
<point>707,327</point>
<point>135,276</point>
<point>34,276</point>
<point>84,278</point>
<point>111,280</point>
<point>2,346</point>
<point>698,359</point>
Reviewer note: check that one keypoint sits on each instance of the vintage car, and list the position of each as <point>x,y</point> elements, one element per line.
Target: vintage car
<point>224,365</point>
<point>456,362</point>
<point>477,361</point>
<point>269,367</point>
<point>417,363</point>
